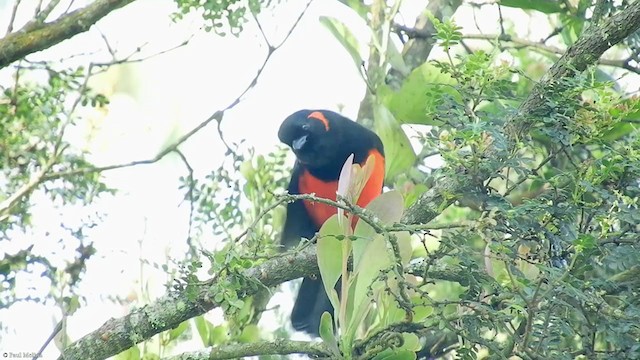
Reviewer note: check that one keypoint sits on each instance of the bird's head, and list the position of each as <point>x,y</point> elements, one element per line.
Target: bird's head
<point>312,136</point>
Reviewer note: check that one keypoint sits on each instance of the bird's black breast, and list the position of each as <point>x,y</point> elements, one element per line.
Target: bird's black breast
<point>354,139</point>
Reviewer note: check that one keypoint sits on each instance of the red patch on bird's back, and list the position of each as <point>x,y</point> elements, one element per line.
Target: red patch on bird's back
<point>319,212</point>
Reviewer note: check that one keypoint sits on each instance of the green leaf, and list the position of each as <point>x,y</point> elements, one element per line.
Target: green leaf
<point>326,333</point>
<point>376,257</point>
<point>396,60</point>
<point>572,29</point>
<point>404,244</point>
<point>330,256</point>
<point>585,242</point>
<point>358,7</point>
<point>341,32</point>
<point>202,325</point>
<point>217,334</point>
<point>408,104</point>
<point>175,333</point>
<point>395,355</point>
<point>399,154</point>
<point>411,342</point>
<point>388,208</point>
<point>133,353</point>
<point>250,333</point>
<point>545,6</point>
<point>618,130</point>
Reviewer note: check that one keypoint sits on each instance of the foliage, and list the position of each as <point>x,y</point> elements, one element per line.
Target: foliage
<point>373,277</point>
<point>534,253</point>
<point>221,16</point>
<point>33,118</point>
<point>553,227</point>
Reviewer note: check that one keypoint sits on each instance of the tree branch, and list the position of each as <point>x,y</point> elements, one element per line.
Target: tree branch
<point>416,51</point>
<point>36,179</point>
<point>217,116</point>
<point>622,63</point>
<point>584,52</point>
<point>33,38</point>
<point>168,312</point>
<point>172,309</point>
<point>240,351</point>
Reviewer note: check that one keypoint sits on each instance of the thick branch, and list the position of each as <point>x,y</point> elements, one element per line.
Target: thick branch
<point>240,351</point>
<point>169,311</point>
<point>417,50</point>
<point>414,53</point>
<point>19,44</point>
<point>621,63</point>
<point>584,52</point>
<point>217,116</point>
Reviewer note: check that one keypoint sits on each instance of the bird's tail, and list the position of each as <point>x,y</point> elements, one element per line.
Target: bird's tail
<point>311,302</point>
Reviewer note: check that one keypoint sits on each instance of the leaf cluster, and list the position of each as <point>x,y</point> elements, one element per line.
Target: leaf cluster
<point>35,112</point>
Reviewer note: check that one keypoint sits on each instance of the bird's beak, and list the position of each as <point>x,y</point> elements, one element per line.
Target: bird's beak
<point>298,143</point>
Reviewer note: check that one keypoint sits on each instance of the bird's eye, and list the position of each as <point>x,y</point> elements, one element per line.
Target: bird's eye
<point>305,127</point>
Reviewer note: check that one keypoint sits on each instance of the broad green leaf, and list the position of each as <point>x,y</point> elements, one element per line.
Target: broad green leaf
<point>217,334</point>
<point>203,326</point>
<point>390,313</point>
<point>330,255</point>
<point>395,355</point>
<point>408,105</point>
<point>179,330</point>
<point>250,333</point>
<point>572,29</point>
<point>376,257</point>
<point>399,154</point>
<point>618,130</point>
<point>545,6</point>
<point>411,342</point>
<point>326,333</point>
<point>387,208</point>
<point>629,110</point>
<point>404,243</point>
<point>345,37</point>
<point>421,312</point>
<point>396,60</point>
<point>358,7</point>
<point>133,353</point>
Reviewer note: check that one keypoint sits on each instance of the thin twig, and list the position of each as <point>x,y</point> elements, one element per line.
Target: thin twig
<point>620,63</point>
<point>53,334</point>
<point>189,195</point>
<point>502,32</point>
<point>41,15</point>
<point>215,116</point>
<point>12,19</point>
<point>533,171</point>
<point>8,203</point>
<point>106,43</point>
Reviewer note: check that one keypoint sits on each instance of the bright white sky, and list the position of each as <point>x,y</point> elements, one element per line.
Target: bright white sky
<point>153,101</point>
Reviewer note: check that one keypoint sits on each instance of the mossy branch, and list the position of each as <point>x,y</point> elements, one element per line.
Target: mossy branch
<point>33,38</point>
<point>583,53</point>
<point>117,335</point>
<point>240,351</point>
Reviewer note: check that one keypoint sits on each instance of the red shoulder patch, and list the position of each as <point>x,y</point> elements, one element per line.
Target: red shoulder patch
<point>317,115</point>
